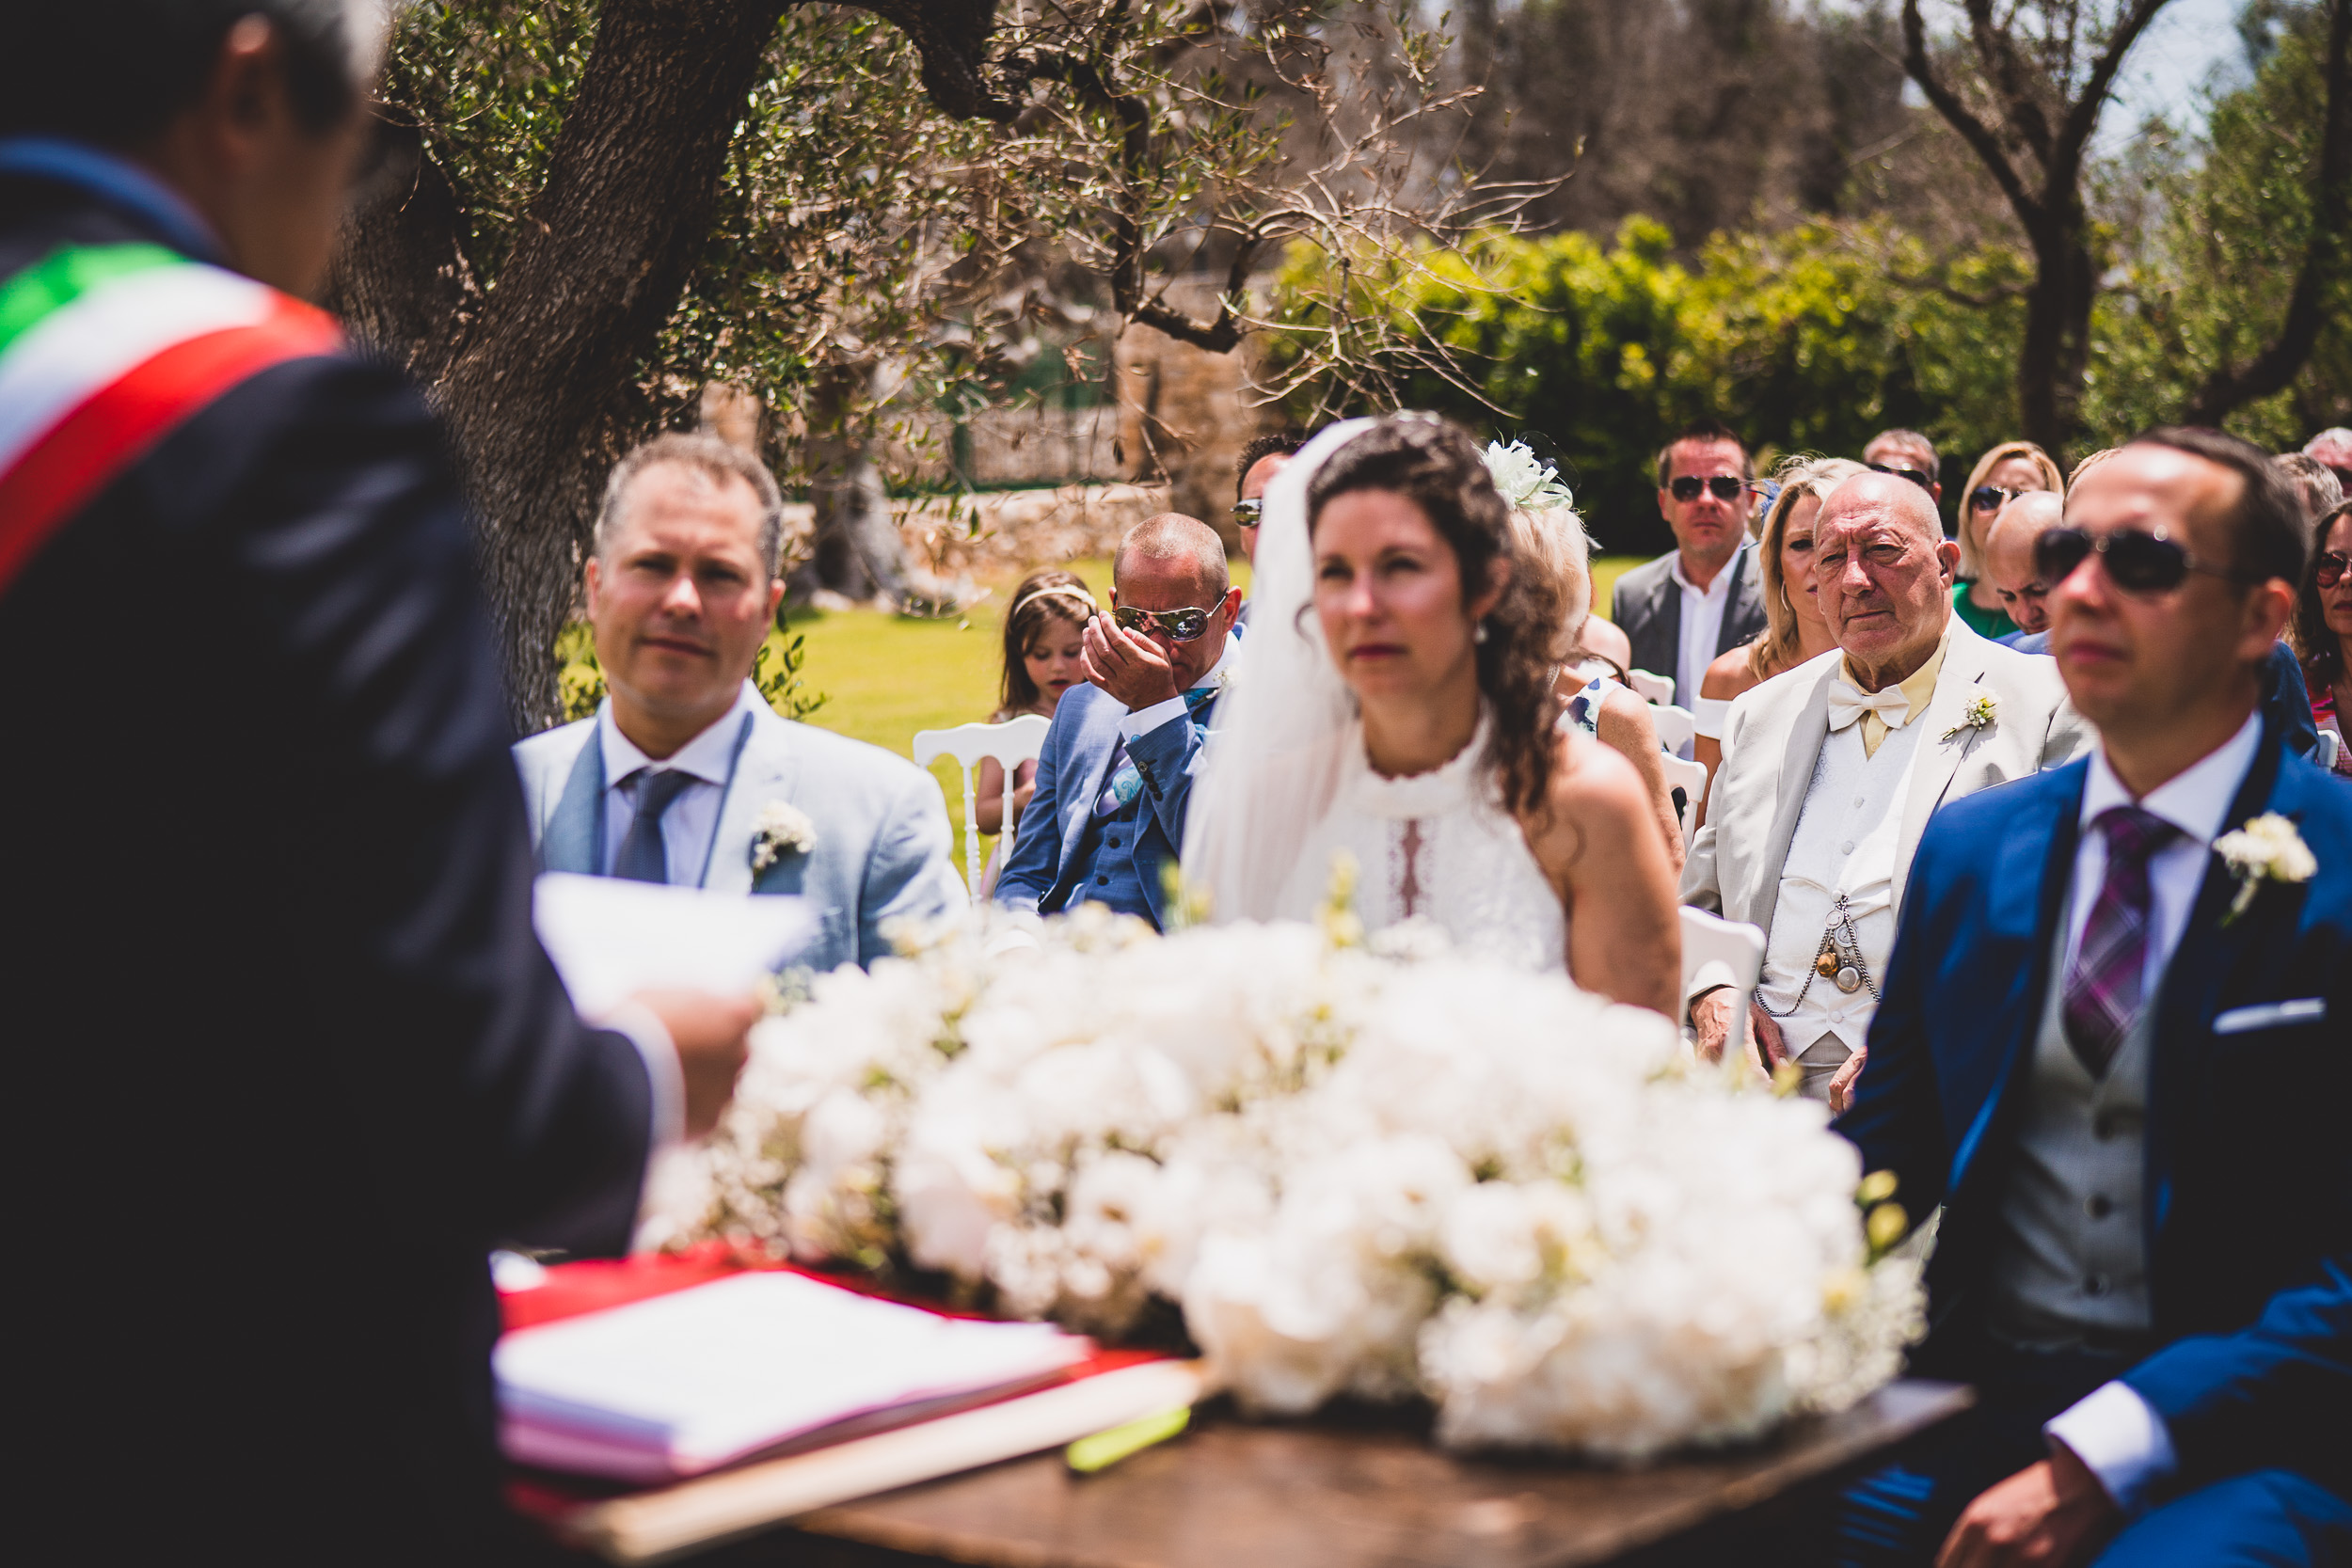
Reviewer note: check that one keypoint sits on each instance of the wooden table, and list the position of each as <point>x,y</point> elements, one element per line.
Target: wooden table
<point>1364,1494</point>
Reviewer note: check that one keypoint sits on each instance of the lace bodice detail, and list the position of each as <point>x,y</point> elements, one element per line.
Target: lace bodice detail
<point>1437,846</point>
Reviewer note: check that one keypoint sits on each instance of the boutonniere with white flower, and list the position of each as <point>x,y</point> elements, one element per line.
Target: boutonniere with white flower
<point>783,828</point>
<point>1977,715</point>
<point>2267,850</point>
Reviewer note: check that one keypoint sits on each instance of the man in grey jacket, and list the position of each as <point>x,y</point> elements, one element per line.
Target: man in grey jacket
<point>1704,597</point>
<point>685,775</point>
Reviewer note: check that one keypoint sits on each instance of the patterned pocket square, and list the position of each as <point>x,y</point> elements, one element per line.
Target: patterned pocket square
<point>2270,1015</point>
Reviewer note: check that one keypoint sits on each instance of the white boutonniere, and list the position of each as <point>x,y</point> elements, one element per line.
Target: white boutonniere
<point>2267,849</point>
<point>782,827</point>
<point>1977,715</point>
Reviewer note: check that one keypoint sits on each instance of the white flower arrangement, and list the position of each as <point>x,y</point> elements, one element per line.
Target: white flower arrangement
<point>2267,850</point>
<point>1383,1174</point>
<point>782,827</point>
<point>1977,715</point>
<point>1528,483</point>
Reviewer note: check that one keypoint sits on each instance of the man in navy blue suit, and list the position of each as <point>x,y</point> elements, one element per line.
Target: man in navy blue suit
<point>2116,1056</point>
<point>1116,776</point>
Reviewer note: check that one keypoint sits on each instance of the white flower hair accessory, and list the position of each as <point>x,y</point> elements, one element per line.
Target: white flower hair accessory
<point>1527,481</point>
<point>1977,715</point>
<point>782,827</point>
<point>2267,850</point>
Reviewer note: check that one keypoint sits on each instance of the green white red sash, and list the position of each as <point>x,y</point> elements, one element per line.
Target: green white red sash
<point>104,351</point>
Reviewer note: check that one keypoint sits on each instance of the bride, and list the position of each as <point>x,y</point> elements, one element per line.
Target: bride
<point>1396,708</point>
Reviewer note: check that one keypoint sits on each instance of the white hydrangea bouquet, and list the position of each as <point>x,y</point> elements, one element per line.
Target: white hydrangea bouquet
<point>1376,1173</point>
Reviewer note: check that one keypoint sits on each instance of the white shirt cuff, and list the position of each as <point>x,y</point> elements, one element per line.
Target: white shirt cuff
<point>652,1040</point>
<point>2120,1439</point>
<point>1143,721</point>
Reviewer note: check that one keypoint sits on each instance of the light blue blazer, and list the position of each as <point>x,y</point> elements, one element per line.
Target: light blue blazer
<point>882,841</point>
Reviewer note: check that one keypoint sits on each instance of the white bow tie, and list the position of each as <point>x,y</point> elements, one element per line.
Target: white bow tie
<point>1846,704</point>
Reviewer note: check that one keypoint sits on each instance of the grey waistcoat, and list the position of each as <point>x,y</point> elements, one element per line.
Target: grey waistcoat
<point>2073,1254</point>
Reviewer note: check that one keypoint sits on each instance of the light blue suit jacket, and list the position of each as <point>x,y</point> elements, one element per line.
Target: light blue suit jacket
<point>882,841</point>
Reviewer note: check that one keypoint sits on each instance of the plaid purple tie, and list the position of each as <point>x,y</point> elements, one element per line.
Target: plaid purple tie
<point>2102,994</point>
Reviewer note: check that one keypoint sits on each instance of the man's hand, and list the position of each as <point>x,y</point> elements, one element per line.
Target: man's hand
<point>708,1031</point>
<point>1129,668</point>
<point>2047,1515</point>
<point>1711,1019</point>
<point>1841,1085</point>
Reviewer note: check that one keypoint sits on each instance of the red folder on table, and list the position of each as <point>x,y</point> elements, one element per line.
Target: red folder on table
<point>569,1406</point>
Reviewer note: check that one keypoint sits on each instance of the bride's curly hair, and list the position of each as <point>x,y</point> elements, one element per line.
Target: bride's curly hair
<point>1438,468</point>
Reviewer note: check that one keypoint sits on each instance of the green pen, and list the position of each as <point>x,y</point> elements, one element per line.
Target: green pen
<point>1107,1448</point>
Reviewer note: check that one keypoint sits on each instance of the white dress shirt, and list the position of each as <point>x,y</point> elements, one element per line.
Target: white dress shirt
<point>688,826</point>
<point>1143,721</point>
<point>1702,623</point>
<point>2117,1434</point>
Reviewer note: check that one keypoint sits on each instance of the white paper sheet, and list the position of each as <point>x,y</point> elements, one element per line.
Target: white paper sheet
<point>610,938</point>
<point>690,1379</point>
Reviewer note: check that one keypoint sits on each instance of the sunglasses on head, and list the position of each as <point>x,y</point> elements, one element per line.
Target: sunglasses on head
<point>1916,476</point>
<point>1727,488</point>
<point>2330,567</point>
<point>1249,513</point>
<point>1991,497</point>
<point>2137,562</point>
<point>1181,626</point>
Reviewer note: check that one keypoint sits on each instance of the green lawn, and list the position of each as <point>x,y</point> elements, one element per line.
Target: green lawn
<point>886,677</point>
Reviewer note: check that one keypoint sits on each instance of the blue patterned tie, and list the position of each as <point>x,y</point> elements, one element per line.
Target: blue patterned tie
<point>643,858</point>
<point>1125,779</point>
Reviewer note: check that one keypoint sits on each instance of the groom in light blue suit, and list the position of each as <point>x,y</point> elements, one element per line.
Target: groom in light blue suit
<point>1114,782</point>
<point>686,776</point>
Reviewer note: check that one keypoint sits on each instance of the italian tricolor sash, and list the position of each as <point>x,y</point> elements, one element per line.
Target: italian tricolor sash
<point>104,349</point>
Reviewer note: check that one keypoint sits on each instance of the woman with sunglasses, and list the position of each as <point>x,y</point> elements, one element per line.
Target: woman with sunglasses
<point>2000,476</point>
<point>1398,715</point>
<point>1795,630</point>
<point>2322,630</point>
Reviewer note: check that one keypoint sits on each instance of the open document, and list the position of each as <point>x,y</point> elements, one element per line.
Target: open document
<point>610,938</point>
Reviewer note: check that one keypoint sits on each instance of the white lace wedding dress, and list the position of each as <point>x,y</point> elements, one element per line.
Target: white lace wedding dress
<point>1437,846</point>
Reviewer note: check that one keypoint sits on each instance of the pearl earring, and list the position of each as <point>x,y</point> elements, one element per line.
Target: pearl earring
<point>1478,633</point>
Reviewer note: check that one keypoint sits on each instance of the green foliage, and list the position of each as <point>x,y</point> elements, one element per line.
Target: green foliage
<point>581,683</point>
<point>2211,280</point>
<point>1801,339</point>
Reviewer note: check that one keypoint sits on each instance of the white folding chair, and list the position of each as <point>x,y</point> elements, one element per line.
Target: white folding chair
<point>1719,952</point>
<point>1676,726</point>
<point>1654,688</point>
<point>2325,753</point>
<point>1011,744</point>
<point>1691,778</point>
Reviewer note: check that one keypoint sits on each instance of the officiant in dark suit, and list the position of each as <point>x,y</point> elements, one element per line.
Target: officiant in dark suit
<point>1115,780</point>
<point>286,1058</point>
<point>2112,1049</point>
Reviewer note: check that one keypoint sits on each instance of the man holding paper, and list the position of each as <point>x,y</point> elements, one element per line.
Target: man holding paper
<point>286,1058</point>
<point>686,776</point>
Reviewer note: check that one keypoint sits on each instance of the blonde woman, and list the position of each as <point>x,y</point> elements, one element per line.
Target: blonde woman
<point>1546,531</point>
<point>1795,630</point>
<point>2000,476</point>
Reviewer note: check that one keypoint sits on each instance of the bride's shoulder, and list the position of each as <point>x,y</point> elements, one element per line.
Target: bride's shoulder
<point>1592,790</point>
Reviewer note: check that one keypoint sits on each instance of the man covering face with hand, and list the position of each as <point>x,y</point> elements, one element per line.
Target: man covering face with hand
<point>1115,780</point>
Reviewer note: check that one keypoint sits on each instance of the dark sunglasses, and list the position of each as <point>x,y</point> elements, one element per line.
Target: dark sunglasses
<point>1916,476</point>
<point>2137,562</point>
<point>1182,626</point>
<point>1727,488</point>
<point>1249,513</point>
<point>1991,497</point>
<point>2329,568</point>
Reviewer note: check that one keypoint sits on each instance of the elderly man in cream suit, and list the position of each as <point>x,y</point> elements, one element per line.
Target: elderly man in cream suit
<point>1832,769</point>
<point>686,775</point>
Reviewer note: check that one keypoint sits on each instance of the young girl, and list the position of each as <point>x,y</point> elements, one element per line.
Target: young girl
<point>1042,661</point>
